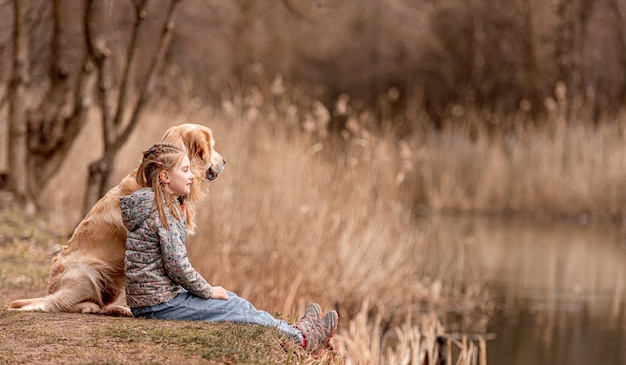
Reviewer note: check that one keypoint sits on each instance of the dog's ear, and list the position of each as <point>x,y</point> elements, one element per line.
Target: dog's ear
<point>199,143</point>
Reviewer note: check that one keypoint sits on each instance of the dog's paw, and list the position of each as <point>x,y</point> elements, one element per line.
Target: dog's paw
<point>117,310</point>
<point>87,307</point>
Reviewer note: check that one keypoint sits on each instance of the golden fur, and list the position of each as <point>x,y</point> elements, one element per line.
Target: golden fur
<point>88,274</point>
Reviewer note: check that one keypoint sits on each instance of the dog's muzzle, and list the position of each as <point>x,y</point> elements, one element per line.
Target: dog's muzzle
<point>213,171</point>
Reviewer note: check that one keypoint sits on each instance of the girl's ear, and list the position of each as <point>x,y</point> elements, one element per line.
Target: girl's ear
<point>164,177</point>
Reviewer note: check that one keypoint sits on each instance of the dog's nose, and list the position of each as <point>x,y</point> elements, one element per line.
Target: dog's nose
<point>223,161</point>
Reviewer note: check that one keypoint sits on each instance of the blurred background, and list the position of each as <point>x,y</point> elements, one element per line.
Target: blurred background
<point>426,167</point>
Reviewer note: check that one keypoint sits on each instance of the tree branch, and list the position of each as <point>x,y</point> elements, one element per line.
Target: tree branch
<point>100,54</point>
<point>3,99</point>
<point>129,73</point>
<point>292,10</point>
<point>148,87</point>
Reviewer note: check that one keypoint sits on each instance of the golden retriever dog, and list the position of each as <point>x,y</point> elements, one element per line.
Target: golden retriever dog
<point>87,276</point>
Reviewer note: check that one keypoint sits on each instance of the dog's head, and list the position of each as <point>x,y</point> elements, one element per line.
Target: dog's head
<point>197,140</point>
<point>206,163</point>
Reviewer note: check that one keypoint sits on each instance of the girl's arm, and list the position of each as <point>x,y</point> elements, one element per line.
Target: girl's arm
<point>177,265</point>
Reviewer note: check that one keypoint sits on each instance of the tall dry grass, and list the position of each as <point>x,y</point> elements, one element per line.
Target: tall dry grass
<point>301,214</point>
<point>561,170</point>
<point>298,218</point>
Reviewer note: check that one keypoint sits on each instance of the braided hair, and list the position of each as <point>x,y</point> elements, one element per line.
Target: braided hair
<point>157,158</point>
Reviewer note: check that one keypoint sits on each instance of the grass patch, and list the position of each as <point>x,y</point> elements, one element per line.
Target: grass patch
<point>228,342</point>
<point>24,264</point>
<point>15,225</point>
<point>27,244</point>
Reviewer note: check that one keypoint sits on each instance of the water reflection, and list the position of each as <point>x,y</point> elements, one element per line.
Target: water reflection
<point>559,287</point>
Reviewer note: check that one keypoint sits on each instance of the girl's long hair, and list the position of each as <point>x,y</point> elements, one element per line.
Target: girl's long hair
<point>157,158</point>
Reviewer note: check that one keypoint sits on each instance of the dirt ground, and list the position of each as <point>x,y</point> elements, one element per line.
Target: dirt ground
<point>71,338</point>
<point>64,338</point>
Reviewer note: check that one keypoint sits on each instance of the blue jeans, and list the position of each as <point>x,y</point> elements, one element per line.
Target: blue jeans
<point>186,306</point>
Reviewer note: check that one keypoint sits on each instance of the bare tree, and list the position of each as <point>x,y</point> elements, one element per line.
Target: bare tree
<point>116,132</point>
<point>40,135</point>
<point>54,124</point>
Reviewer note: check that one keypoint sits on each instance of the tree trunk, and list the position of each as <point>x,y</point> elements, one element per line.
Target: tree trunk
<point>99,176</point>
<point>116,132</point>
<point>620,26</point>
<point>579,83</point>
<point>60,117</point>
<point>18,128</point>
<point>528,58</point>
<point>571,46</point>
<point>564,42</point>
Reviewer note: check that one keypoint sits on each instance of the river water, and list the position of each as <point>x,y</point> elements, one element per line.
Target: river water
<point>559,287</point>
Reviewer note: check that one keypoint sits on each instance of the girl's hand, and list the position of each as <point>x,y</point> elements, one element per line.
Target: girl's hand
<point>219,293</point>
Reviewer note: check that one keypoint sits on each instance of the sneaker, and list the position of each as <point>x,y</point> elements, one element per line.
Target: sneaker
<point>313,313</point>
<point>320,333</point>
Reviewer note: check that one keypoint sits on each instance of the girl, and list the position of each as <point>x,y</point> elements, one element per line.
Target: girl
<point>160,281</point>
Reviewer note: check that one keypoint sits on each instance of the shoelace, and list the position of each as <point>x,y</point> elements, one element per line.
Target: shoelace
<point>320,332</point>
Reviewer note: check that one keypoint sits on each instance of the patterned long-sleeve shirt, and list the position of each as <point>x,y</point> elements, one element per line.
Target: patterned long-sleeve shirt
<point>156,264</point>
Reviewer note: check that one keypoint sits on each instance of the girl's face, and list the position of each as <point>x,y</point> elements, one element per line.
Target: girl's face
<point>178,180</point>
